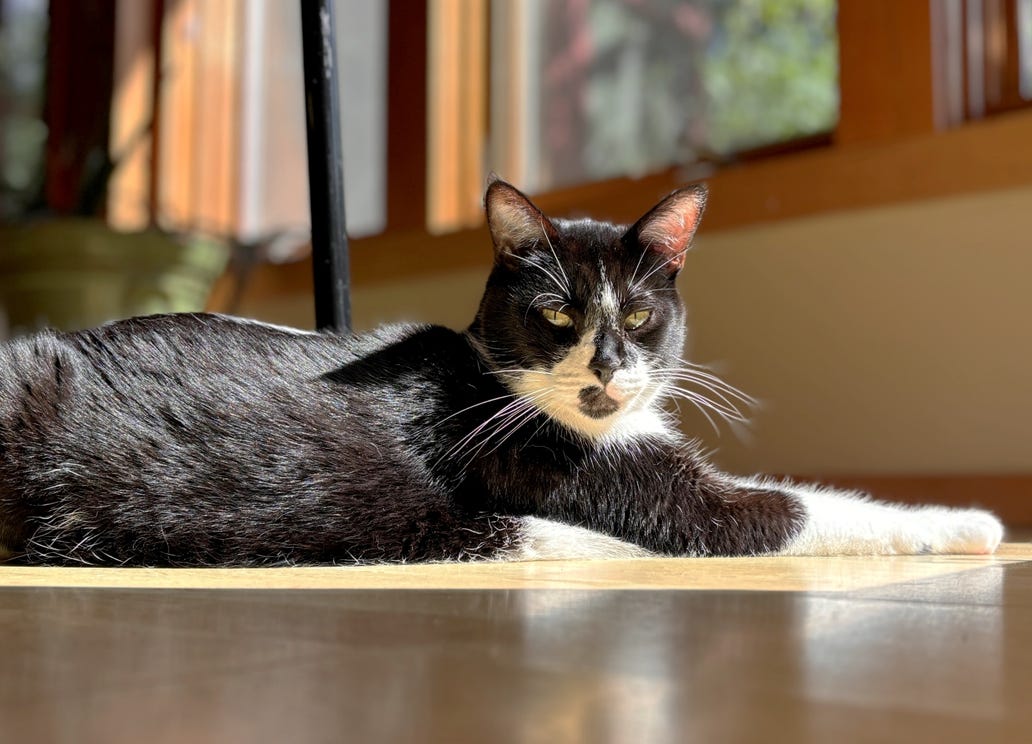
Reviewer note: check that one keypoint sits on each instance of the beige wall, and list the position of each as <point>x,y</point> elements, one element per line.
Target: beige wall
<point>891,340</point>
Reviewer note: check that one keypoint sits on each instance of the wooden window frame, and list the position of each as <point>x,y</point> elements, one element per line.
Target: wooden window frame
<point>909,129</point>
<point>895,143</point>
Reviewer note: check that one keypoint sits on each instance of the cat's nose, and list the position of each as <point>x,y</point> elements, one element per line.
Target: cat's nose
<point>606,360</point>
<point>603,372</point>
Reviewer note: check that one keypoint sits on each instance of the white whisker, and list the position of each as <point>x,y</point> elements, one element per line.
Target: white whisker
<point>557,263</point>
<point>562,287</point>
<point>716,390</point>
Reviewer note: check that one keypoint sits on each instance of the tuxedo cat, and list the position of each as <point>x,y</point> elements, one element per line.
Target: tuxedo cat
<point>542,431</point>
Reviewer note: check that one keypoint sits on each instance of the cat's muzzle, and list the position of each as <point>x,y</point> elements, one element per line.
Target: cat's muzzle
<point>595,404</point>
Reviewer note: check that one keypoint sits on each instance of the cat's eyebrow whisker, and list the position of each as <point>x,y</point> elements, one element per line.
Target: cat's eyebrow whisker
<point>660,264</point>
<point>557,263</point>
<point>533,303</point>
<point>637,266</point>
<point>657,265</point>
<point>562,287</point>
<point>558,297</point>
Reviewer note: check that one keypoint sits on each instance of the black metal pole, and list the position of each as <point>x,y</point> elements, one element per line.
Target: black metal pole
<point>330,266</point>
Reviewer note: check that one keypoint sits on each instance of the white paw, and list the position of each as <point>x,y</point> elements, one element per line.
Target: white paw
<point>843,523</point>
<point>545,540</point>
<point>972,531</point>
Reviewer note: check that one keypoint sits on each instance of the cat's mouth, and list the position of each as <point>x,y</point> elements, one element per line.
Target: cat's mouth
<point>595,404</point>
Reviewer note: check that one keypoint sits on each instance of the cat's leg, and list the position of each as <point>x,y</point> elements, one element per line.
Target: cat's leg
<point>679,506</point>
<point>839,522</point>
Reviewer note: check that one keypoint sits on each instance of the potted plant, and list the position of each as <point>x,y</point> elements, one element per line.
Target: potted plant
<point>61,265</point>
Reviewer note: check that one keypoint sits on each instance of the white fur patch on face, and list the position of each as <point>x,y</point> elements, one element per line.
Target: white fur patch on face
<point>607,302</point>
<point>557,393</point>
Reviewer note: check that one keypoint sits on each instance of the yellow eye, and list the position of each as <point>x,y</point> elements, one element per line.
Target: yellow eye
<point>636,320</point>
<point>557,318</point>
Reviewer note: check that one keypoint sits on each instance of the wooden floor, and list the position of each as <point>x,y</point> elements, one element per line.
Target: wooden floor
<point>788,649</point>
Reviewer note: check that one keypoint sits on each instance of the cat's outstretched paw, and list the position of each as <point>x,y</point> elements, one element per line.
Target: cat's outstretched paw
<point>546,540</point>
<point>971,531</point>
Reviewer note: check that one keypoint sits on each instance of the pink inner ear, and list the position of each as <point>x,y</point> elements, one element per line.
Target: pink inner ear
<point>669,229</point>
<point>513,219</point>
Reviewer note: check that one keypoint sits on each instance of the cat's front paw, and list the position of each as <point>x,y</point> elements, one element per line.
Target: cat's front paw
<point>547,540</point>
<point>973,531</point>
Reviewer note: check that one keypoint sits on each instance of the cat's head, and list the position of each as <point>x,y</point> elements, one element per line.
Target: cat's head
<point>583,317</point>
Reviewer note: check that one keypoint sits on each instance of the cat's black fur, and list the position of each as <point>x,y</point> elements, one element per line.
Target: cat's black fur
<point>204,440</point>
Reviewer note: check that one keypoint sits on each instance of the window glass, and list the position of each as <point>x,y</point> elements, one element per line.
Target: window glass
<point>23,48</point>
<point>1025,47</point>
<point>618,87</point>
<point>275,178</point>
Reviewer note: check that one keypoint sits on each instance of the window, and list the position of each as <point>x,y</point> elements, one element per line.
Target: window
<point>274,178</point>
<point>23,46</point>
<point>568,99</point>
<point>1024,32</point>
<point>606,88</point>
<point>229,106</point>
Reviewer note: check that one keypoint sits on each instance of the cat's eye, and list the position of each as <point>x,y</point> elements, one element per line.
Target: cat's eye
<point>556,318</point>
<point>636,320</point>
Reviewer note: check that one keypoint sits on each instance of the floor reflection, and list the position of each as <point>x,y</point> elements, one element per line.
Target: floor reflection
<point>951,651</point>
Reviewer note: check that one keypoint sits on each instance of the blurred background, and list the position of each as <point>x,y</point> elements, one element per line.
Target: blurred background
<point>864,269</point>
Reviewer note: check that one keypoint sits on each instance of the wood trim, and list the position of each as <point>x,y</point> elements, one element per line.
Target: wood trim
<point>406,115</point>
<point>987,155</point>
<point>177,96</point>
<point>77,111</point>
<point>132,112</point>
<point>215,206</point>
<point>509,82</point>
<point>457,81</point>
<point>886,72</point>
<point>1009,496</point>
<point>199,110</point>
<point>1002,56</point>
<point>951,63</point>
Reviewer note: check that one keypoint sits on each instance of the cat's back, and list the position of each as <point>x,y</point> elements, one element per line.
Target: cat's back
<point>189,356</point>
<point>196,356</point>
<point>201,342</point>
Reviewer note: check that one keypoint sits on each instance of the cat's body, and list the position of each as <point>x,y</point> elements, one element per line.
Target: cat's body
<point>540,432</point>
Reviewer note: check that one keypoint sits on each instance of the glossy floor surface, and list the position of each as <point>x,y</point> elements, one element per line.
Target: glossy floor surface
<point>796,650</point>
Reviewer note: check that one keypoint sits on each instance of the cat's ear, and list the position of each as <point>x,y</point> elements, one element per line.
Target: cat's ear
<point>516,224</point>
<point>668,228</point>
